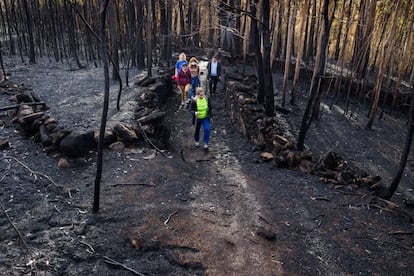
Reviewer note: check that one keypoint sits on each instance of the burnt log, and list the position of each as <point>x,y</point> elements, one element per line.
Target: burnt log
<point>233,76</point>
<point>4,143</point>
<point>159,89</point>
<point>282,109</point>
<point>77,144</point>
<point>125,133</point>
<point>51,127</point>
<point>58,134</point>
<point>109,137</point>
<point>243,88</point>
<point>27,122</point>
<point>45,139</point>
<point>142,111</point>
<point>368,180</point>
<point>16,106</point>
<point>145,81</point>
<point>331,161</point>
<point>156,115</point>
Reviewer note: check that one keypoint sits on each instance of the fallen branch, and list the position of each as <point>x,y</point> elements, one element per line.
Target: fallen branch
<point>401,213</point>
<point>401,233</point>
<point>15,106</point>
<point>147,139</point>
<point>32,172</point>
<point>15,228</point>
<point>113,262</point>
<point>88,245</point>
<point>133,184</point>
<point>168,219</point>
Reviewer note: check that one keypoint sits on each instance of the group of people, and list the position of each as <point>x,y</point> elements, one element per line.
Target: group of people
<point>187,76</point>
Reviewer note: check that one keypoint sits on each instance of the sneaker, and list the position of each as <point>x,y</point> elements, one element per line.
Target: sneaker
<point>205,146</point>
<point>197,144</point>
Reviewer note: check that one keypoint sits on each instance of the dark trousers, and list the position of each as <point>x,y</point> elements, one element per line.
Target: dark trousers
<point>213,84</point>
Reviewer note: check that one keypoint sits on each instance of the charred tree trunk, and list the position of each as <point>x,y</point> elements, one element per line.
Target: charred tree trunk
<point>259,59</point>
<point>114,38</point>
<point>269,97</point>
<point>139,35</point>
<point>29,25</point>
<point>300,51</point>
<point>288,54</point>
<point>71,34</point>
<point>402,63</point>
<point>53,34</point>
<point>310,48</point>
<point>148,37</point>
<point>277,35</point>
<point>378,82</point>
<point>104,50</point>
<point>406,151</point>
<point>12,46</point>
<point>312,103</point>
<point>133,32</point>
<point>2,72</point>
<point>164,28</point>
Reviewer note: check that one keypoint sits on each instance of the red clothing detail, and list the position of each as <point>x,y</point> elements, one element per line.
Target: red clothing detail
<point>184,78</point>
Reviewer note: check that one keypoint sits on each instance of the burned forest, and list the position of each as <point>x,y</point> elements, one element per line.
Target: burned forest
<point>304,163</point>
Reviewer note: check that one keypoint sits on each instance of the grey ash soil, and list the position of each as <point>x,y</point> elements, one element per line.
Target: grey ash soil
<point>224,212</point>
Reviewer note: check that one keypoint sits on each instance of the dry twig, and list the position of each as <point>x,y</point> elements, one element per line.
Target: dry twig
<point>32,172</point>
<point>135,184</point>
<point>113,262</point>
<point>401,233</point>
<point>15,228</point>
<point>147,139</point>
<point>88,245</point>
<point>168,219</point>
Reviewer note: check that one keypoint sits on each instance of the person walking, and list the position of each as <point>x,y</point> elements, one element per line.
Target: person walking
<point>195,79</point>
<point>201,108</point>
<point>184,82</point>
<point>181,59</point>
<point>213,74</point>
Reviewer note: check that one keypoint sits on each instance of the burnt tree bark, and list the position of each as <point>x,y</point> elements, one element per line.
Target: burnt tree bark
<point>114,37</point>
<point>148,37</point>
<point>381,66</point>
<point>29,25</point>
<point>300,51</point>
<point>312,103</point>
<point>104,50</point>
<point>259,57</point>
<point>269,97</point>
<point>139,35</point>
<point>289,42</point>
<point>406,151</point>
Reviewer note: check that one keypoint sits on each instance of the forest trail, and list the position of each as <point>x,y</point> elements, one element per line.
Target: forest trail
<point>225,213</point>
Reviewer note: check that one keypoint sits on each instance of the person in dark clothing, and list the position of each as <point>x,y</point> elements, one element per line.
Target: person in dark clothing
<point>201,109</point>
<point>213,74</point>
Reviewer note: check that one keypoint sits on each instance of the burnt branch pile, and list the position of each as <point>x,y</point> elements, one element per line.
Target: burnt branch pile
<point>31,117</point>
<point>274,146</point>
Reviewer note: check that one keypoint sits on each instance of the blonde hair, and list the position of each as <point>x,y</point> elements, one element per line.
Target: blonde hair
<point>193,59</point>
<point>182,56</point>
<point>199,90</point>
